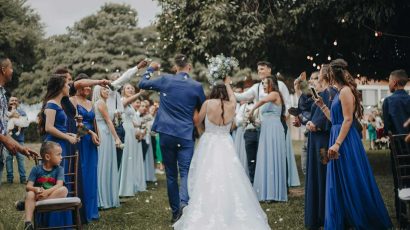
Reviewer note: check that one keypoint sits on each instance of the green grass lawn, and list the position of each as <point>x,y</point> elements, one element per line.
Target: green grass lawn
<point>150,210</point>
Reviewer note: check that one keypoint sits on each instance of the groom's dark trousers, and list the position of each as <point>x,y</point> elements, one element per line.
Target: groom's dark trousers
<point>177,155</point>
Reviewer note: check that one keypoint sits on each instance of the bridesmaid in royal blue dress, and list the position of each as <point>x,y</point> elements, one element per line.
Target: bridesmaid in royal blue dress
<point>88,155</point>
<point>70,109</point>
<point>353,199</point>
<point>318,142</point>
<point>53,125</point>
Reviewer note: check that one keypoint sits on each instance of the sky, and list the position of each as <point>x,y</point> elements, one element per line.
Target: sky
<point>57,15</point>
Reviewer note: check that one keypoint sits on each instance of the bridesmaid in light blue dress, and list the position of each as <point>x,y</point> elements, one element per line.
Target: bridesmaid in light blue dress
<point>149,159</point>
<point>270,173</point>
<point>108,178</point>
<point>239,140</point>
<point>293,175</point>
<point>149,165</point>
<point>132,174</point>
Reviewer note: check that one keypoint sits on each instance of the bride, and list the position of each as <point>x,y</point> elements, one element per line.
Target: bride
<point>221,196</point>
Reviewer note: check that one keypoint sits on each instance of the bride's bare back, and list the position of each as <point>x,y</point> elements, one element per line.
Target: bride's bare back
<point>213,109</point>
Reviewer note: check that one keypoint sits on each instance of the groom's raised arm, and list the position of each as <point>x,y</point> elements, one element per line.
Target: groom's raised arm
<point>126,77</point>
<point>148,84</point>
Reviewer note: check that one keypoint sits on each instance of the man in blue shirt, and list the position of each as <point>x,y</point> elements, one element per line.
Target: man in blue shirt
<point>17,134</point>
<point>180,97</point>
<point>396,110</point>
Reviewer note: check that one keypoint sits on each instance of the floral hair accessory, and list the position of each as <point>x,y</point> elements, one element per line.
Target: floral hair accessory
<point>220,66</point>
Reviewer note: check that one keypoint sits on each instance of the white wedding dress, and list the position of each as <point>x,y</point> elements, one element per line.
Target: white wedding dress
<point>221,196</point>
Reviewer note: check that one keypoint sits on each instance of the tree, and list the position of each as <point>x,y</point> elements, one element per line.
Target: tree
<point>285,32</point>
<point>201,28</point>
<point>20,34</point>
<point>98,45</point>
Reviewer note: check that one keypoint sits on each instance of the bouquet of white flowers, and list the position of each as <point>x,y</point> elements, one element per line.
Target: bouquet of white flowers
<point>220,66</point>
<point>117,121</point>
<point>253,119</point>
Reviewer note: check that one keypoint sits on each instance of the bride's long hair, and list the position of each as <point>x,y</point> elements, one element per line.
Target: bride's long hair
<point>273,86</point>
<point>219,92</point>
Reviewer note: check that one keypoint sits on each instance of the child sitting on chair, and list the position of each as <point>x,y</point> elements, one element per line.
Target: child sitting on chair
<point>45,181</point>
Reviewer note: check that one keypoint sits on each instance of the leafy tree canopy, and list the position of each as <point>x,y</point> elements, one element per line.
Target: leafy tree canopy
<point>286,32</point>
<point>98,45</point>
<point>20,33</point>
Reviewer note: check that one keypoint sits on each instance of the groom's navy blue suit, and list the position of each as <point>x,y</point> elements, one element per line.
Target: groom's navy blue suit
<point>180,96</point>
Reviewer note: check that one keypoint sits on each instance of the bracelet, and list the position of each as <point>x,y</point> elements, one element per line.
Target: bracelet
<point>338,143</point>
<point>324,106</point>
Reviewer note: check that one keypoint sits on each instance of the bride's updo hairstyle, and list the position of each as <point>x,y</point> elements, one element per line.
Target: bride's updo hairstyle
<point>219,92</point>
<point>341,76</point>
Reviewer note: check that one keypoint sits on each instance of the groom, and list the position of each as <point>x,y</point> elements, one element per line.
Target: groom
<point>180,96</point>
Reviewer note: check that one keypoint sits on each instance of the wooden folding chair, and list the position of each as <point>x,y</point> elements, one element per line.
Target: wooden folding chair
<point>71,202</point>
<point>401,155</point>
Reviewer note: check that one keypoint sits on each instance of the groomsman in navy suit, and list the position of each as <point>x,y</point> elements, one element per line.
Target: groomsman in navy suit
<point>180,97</point>
<point>396,110</point>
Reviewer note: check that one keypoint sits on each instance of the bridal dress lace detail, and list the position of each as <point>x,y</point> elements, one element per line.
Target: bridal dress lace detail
<point>221,196</point>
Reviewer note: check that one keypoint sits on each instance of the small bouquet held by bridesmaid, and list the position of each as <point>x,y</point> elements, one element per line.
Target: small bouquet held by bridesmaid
<point>117,121</point>
<point>81,129</point>
<point>253,119</point>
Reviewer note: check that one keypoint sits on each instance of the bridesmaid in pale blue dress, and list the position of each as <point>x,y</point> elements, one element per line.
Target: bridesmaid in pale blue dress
<point>353,199</point>
<point>270,173</point>
<point>108,178</point>
<point>149,159</point>
<point>88,155</point>
<point>292,170</point>
<point>53,125</point>
<point>239,140</point>
<point>132,174</point>
<point>234,127</point>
